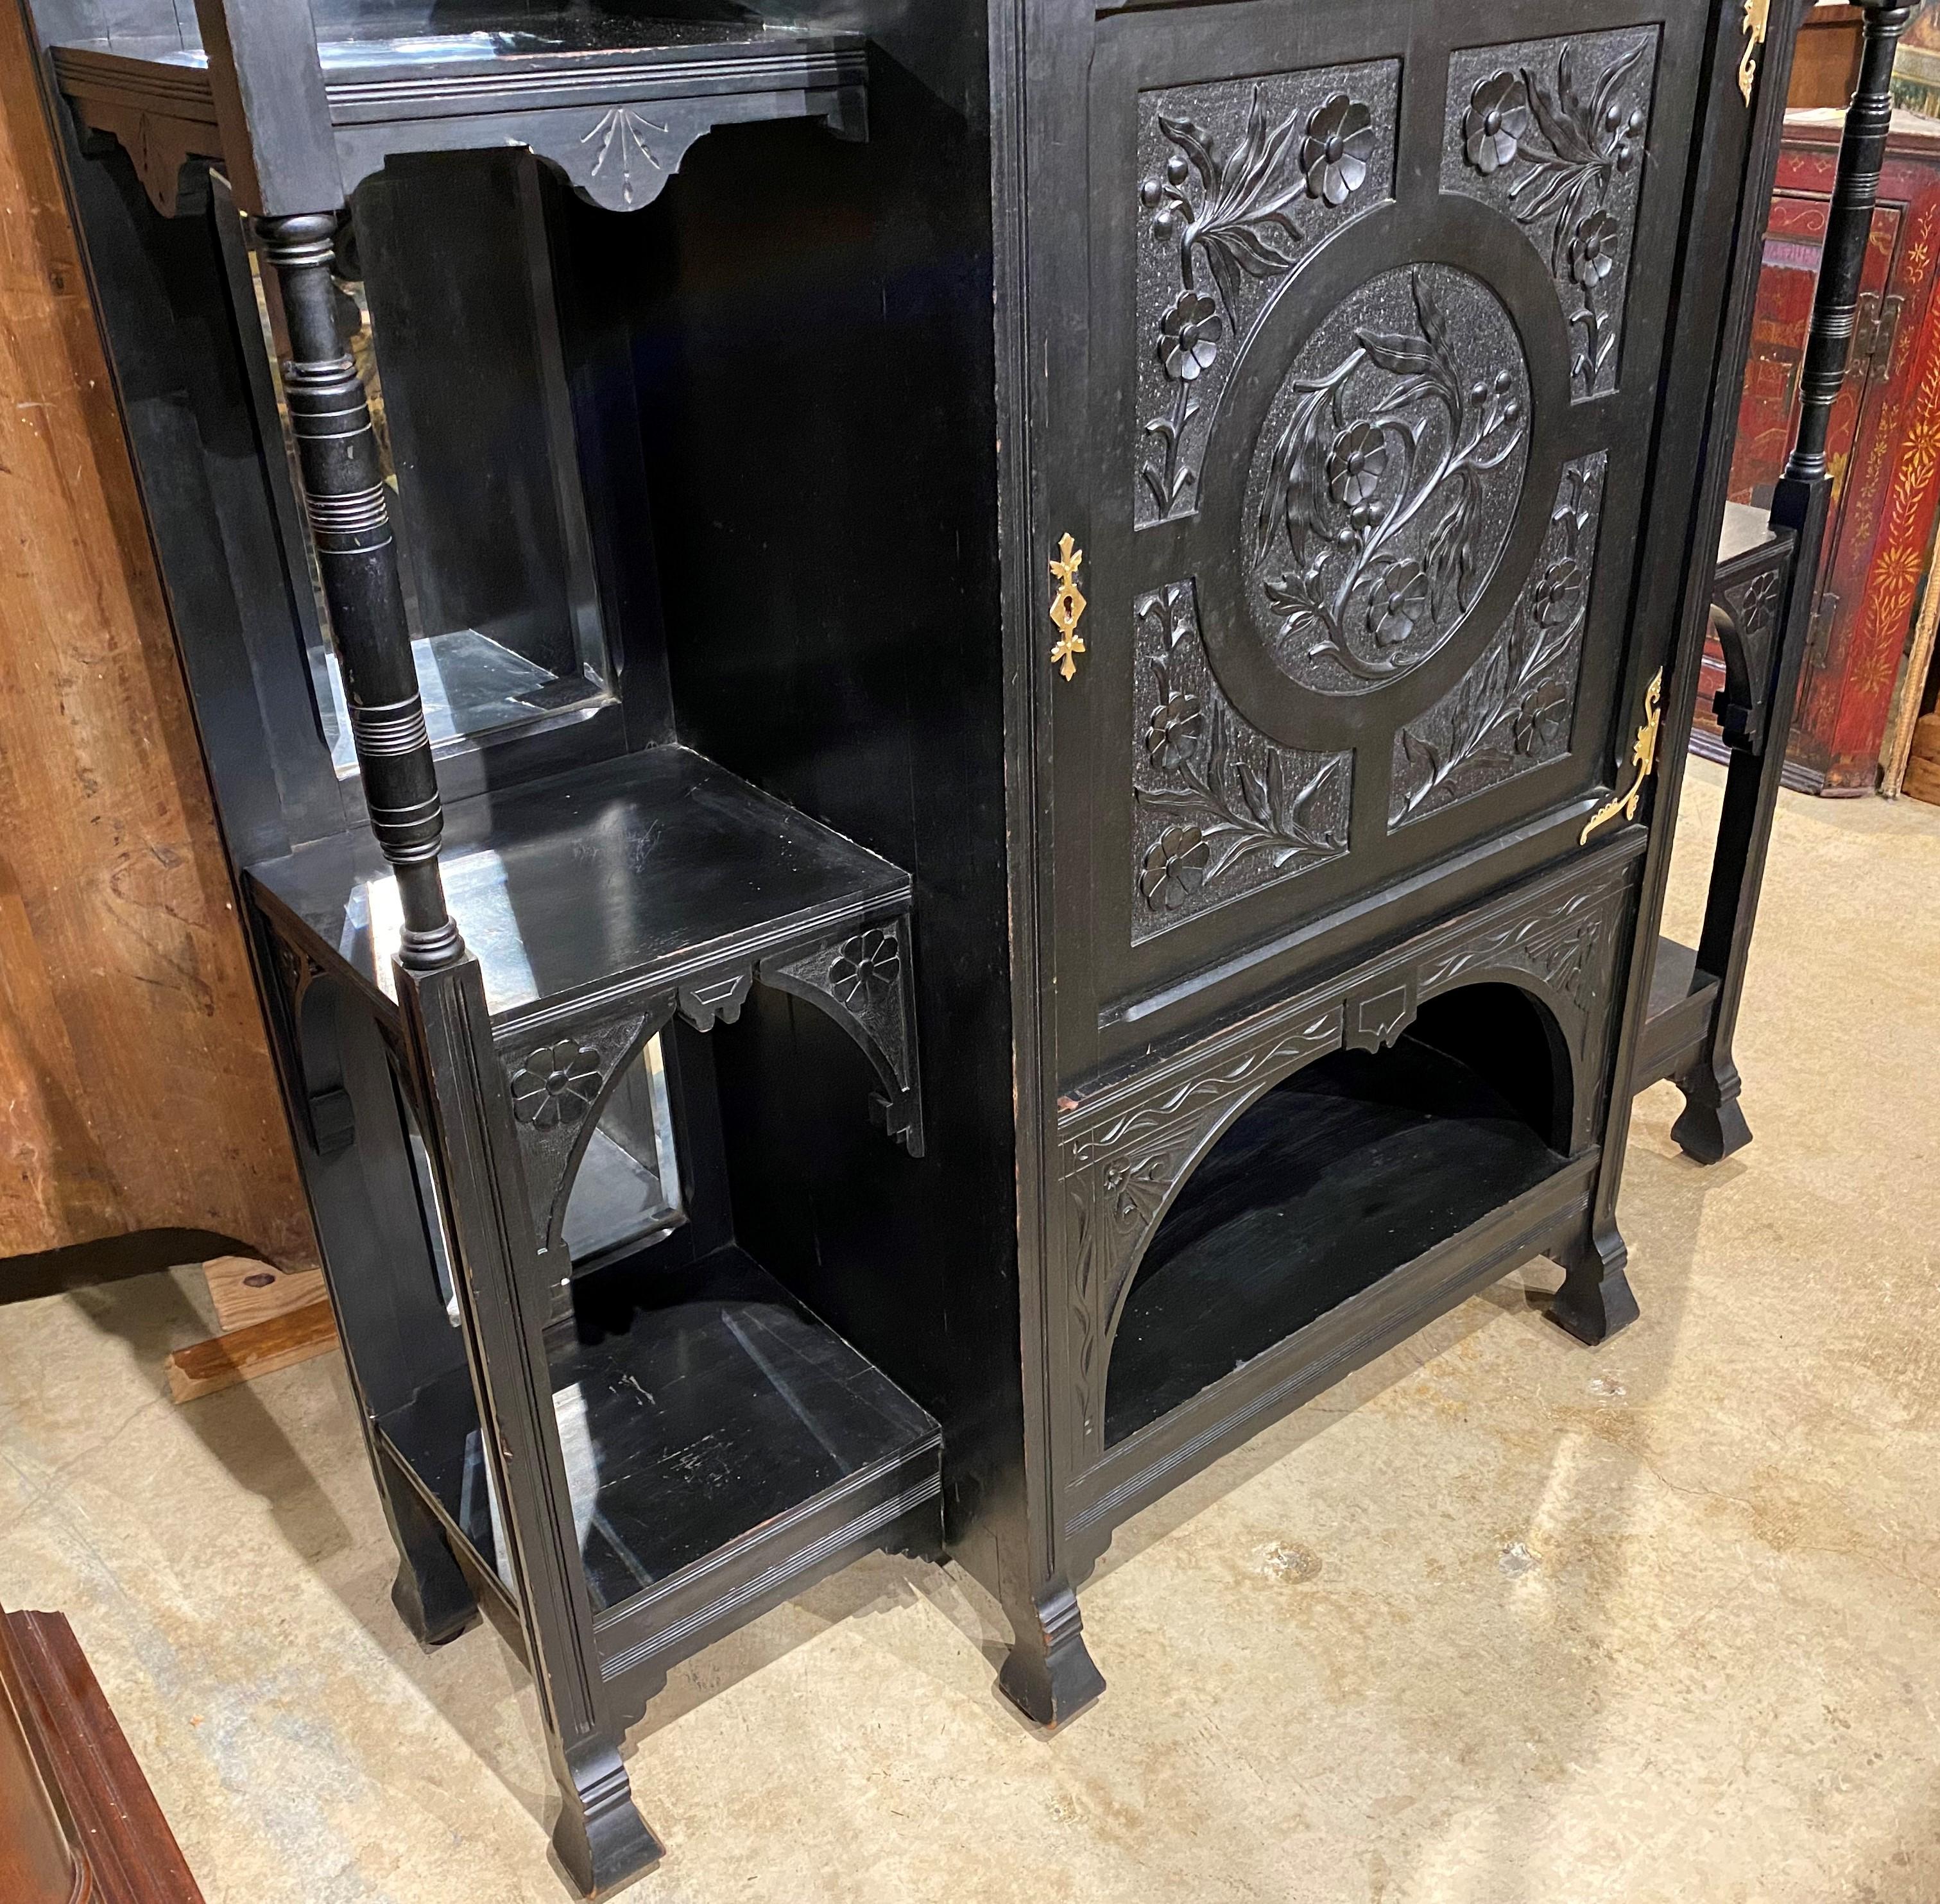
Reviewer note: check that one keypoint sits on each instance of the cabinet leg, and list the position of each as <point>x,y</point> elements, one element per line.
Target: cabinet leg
<point>430,1592</point>
<point>600,1837</point>
<point>1595,1301</point>
<point>1711,1125</point>
<point>1049,1675</point>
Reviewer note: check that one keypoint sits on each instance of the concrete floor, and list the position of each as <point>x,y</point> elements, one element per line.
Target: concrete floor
<point>1502,1621</point>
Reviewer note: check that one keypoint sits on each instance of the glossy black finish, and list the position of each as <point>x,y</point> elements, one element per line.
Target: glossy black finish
<point>642,874</point>
<point>347,505</point>
<point>821,492</point>
<point>613,99</point>
<point>696,1401</point>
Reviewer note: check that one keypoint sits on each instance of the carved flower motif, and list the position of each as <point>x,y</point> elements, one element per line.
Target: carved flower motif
<point>558,1081</point>
<point>1593,249</point>
<point>871,963</point>
<point>1174,727</point>
<point>1537,720</point>
<point>1334,155</point>
<point>1399,601</point>
<point>1355,466</point>
<point>1558,597</point>
<point>1189,336</point>
<point>1175,867</point>
<point>1493,127</point>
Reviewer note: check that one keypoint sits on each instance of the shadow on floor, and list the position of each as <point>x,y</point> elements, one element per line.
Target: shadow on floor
<point>110,1259</point>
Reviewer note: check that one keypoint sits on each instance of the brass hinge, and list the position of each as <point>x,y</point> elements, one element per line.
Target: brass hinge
<point>1758,15</point>
<point>1819,643</point>
<point>1876,329</point>
<point>1067,607</point>
<point>1643,758</point>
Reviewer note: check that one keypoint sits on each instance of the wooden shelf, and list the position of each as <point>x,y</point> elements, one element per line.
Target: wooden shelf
<point>639,874</point>
<point>613,100</point>
<point>696,1406</point>
<point>1677,1021</point>
<point>1351,1169</point>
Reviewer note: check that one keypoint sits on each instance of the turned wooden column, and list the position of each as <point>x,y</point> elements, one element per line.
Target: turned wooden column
<point>1848,231</point>
<point>344,496</point>
<point>1712,1124</point>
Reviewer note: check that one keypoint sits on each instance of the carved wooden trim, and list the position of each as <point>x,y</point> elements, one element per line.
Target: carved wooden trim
<point>1239,179</point>
<point>1125,1152</point>
<point>558,1086</point>
<point>1747,599</point>
<point>1513,711</point>
<point>865,982</point>
<point>1552,134</point>
<point>616,126</point>
<point>1219,811</point>
<point>97,1806</point>
<point>1119,1178</point>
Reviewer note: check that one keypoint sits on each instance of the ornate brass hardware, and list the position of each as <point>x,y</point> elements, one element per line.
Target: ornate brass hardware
<point>1643,756</point>
<point>1067,607</point>
<point>1757,17</point>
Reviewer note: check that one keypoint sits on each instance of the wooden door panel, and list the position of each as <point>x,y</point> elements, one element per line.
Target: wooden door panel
<point>1376,304</point>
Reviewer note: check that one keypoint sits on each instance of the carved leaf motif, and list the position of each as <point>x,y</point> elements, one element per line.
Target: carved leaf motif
<point>1222,183</point>
<point>1510,712</point>
<point>1364,538</point>
<point>1559,149</point>
<point>1248,811</point>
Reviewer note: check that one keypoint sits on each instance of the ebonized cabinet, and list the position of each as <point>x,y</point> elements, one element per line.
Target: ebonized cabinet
<point>1183,753</point>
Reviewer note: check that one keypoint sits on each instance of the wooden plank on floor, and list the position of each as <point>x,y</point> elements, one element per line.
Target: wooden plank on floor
<point>246,1291</point>
<point>260,1350</point>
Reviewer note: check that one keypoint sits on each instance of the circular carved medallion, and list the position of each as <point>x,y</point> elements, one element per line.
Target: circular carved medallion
<point>1385,481</point>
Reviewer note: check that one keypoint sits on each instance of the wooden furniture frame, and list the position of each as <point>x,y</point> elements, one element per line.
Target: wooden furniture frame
<point>1213,713</point>
<point>1762,612</point>
<point>78,1824</point>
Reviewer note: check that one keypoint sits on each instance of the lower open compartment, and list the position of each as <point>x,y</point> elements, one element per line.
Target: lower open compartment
<point>696,1403</point>
<point>1347,1170</point>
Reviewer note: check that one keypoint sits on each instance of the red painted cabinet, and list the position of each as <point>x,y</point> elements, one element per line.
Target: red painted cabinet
<point>1885,442</point>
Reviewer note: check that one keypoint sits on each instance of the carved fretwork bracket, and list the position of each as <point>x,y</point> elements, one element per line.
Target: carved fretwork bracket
<point>865,982</point>
<point>559,1071</point>
<point>1747,604</point>
<point>558,1080</point>
<point>1126,1150</point>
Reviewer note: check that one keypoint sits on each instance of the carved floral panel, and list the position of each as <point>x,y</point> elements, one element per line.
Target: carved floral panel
<point>1512,711</point>
<point>1218,810</point>
<point>1552,133</point>
<point>1238,179</point>
<point>1386,478</point>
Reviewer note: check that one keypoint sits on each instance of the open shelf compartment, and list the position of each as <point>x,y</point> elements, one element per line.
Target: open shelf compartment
<point>1339,1176</point>
<point>697,1405</point>
<point>632,874</point>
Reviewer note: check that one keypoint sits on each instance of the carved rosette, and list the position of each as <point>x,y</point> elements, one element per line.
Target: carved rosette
<point>1237,180</point>
<point>864,983</point>
<point>1750,627</point>
<point>1512,711</point>
<point>1386,478</point>
<point>556,1081</point>
<point>1218,810</point>
<point>1552,133</point>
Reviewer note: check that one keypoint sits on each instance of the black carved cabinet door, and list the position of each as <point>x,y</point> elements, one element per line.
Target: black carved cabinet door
<point>1349,414</point>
